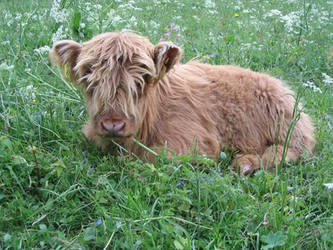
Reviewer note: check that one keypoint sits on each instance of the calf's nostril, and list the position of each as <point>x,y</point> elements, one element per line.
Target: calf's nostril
<point>113,127</point>
<point>118,126</point>
<point>108,126</point>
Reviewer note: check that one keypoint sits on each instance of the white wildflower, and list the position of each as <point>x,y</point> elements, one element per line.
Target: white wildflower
<point>4,66</point>
<point>133,21</point>
<point>236,7</point>
<point>327,79</point>
<point>213,12</point>
<point>312,86</point>
<point>154,25</point>
<point>42,50</point>
<point>329,186</point>
<point>209,4</point>
<point>8,17</point>
<point>246,46</point>
<point>58,14</point>
<point>18,17</point>
<point>59,35</point>
<point>29,87</point>
<point>291,20</point>
<point>98,6</point>
<point>111,13</point>
<point>82,25</point>
<point>273,13</point>
<point>93,10</point>
<point>129,7</point>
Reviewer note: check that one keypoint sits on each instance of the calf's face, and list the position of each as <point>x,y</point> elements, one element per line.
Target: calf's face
<point>116,70</point>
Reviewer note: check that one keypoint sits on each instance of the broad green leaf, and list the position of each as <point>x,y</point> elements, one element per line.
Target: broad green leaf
<point>274,240</point>
<point>89,234</point>
<point>6,142</point>
<point>178,245</point>
<point>18,160</point>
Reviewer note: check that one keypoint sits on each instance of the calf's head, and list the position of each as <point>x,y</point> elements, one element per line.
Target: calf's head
<point>117,71</point>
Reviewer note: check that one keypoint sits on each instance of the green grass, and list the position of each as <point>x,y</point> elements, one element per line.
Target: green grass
<point>81,198</point>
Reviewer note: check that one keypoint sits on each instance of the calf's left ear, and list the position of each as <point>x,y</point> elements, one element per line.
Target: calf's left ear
<point>166,55</point>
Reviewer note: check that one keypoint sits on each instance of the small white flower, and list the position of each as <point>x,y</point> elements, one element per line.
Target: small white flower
<point>4,66</point>
<point>273,13</point>
<point>209,4</point>
<point>329,186</point>
<point>116,20</point>
<point>58,14</point>
<point>291,21</point>
<point>29,87</point>
<point>311,85</point>
<point>327,79</point>
<point>154,25</point>
<point>82,25</point>
<point>42,50</point>
<point>18,17</point>
<point>59,35</point>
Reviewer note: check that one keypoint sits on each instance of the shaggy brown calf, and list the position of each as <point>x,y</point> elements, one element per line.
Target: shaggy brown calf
<point>134,89</point>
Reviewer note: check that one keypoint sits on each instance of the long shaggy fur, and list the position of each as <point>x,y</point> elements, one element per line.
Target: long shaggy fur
<point>128,80</point>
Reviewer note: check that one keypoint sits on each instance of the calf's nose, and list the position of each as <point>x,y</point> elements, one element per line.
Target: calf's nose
<point>113,127</point>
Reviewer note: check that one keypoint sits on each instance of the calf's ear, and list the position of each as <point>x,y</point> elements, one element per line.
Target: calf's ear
<point>64,54</point>
<point>166,55</point>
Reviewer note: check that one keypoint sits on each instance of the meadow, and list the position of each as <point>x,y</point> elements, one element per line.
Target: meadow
<point>57,190</point>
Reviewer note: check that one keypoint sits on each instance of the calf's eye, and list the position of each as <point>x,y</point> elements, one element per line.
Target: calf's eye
<point>138,85</point>
<point>90,90</point>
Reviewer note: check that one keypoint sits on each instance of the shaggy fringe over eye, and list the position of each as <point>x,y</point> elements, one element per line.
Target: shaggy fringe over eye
<point>112,67</point>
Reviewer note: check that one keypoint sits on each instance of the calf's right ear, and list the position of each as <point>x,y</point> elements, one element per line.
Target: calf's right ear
<point>65,54</point>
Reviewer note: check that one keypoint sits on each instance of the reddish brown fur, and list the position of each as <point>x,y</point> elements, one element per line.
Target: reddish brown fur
<point>142,89</point>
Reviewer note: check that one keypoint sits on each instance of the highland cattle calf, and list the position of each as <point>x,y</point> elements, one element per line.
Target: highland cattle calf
<point>134,89</point>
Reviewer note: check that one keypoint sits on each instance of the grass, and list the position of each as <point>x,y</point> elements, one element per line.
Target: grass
<point>58,191</point>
